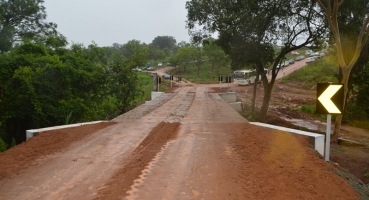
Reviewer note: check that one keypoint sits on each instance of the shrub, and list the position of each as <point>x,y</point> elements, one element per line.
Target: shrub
<point>3,145</point>
<point>311,110</point>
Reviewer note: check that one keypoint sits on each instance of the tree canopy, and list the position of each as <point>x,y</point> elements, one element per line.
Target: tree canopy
<point>22,19</point>
<point>163,42</point>
<point>41,87</point>
<point>249,30</point>
<point>214,54</point>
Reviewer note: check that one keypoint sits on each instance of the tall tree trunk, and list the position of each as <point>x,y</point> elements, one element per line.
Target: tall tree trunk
<point>268,87</point>
<point>337,125</point>
<point>255,91</point>
<point>265,105</point>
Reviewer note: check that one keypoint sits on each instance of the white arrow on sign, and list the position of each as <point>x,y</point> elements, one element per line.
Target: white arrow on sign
<point>325,98</point>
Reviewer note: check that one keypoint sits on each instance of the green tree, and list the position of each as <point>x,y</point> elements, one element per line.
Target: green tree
<point>184,56</point>
<point>123,81</point>
<point>27,95</point>
<point>43,86</point>
<point>248,30</point>
<point>139,58</point>
<point>22,19</point>
<point>155,53</point>
<point>347,57</point>
<point>215,54</point>
<point>131,47</point>
<point>163,42</point>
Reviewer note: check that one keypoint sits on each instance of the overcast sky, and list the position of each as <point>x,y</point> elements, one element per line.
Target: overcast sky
<point>118,21</point>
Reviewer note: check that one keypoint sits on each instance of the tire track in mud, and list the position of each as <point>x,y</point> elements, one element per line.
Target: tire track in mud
<point>143,157</point>
<point>121,181</point>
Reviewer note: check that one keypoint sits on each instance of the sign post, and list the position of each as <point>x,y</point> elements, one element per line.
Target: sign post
<point>171,80</point>
<point>328,138</point>
<point>158,81</point>
<point>220,79</point>
<point>228,80</point>
<point>329,101</point>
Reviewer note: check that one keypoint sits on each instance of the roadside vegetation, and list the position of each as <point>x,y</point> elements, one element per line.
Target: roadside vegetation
<point>146,83</point>
<point>320,71</point>
<point>326,70</point>
<point>201,64</point>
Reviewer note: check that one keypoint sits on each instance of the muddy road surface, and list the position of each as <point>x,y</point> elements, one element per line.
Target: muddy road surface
<point>187,144</point>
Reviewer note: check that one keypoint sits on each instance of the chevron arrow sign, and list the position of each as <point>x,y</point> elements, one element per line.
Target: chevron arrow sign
<point>329,98</point>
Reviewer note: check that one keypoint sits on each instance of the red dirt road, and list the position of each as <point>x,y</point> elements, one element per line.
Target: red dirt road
<point>188,144</point>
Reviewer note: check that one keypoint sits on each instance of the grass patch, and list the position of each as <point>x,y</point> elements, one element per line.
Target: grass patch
<point>146,86</point>
<point>163,88</point>
<point>320,71</point>
<point>310,109</point>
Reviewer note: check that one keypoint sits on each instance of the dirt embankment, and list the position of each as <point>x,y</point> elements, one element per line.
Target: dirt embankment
<point>24,155</point>
<point>286,102</point>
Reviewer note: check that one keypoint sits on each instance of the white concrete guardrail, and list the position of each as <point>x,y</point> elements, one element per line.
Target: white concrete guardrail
<point>231,97</point>
<point>317,138</point>
<point>34,132</point>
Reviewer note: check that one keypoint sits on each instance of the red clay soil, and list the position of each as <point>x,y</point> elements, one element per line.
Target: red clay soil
<point>279,165</point>
<point>122,180</point>
<point>18,158</point>
<point>263,163</point>
<point>287,99</point>
<point>204,157</point>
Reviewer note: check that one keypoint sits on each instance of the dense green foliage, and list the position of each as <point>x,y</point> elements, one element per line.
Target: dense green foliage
<point>146,82</point>
<point>22,20</point>
<point>42,87</point>
<point>3,145</point>
<point>357,103</point>
<point>201,64</point>
<point>164,42</point>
